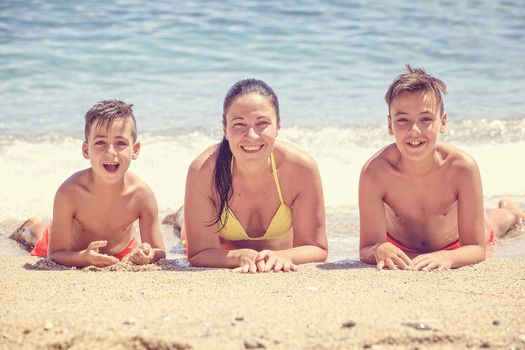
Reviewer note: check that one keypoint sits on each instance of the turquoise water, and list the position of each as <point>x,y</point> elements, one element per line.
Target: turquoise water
<point>329,61</point>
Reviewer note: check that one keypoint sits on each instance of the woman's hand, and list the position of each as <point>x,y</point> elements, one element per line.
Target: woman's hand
<point>247,261</point>
<point>433,261</point>
<point>389,255</point>
<point>270,260</point>
<point>142,255</point>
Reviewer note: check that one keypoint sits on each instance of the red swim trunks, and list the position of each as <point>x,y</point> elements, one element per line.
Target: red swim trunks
<point>41,246</point>
<point>490,239</point>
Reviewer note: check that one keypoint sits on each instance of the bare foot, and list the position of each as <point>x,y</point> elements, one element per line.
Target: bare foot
<point>23,234</point>
<point>508,204</point>
<point>175,219</point>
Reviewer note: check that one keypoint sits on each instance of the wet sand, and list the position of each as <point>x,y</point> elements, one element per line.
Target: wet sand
<point>342,305</point>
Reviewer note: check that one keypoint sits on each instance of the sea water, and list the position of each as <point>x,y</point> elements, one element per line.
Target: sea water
<point>330,62</point>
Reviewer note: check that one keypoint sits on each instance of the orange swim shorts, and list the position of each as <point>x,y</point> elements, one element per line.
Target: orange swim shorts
<point>41,246</point>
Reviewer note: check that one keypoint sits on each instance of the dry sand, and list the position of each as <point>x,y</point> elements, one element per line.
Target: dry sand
<point>323,306</point>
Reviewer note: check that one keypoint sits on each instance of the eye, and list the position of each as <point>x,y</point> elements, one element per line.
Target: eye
<point>402,120</point>
<point>238,125</point>
<point>262,123</point>
<point>122,143</point>
<point>100,143</point>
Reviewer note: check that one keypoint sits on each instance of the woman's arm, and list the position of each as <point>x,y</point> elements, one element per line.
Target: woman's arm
<point>309,223</point>
<point>203,244</point>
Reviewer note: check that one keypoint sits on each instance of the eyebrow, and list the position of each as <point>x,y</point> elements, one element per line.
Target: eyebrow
<point>426,111</point>
<point>105,137</point>
<point>259,117</point>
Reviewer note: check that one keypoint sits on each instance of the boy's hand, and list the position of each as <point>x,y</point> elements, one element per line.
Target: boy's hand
<point>394,258</point>
<point>268,260</point>
<point>142,255</point>
<point>433,261</point>
<point>94,258</point>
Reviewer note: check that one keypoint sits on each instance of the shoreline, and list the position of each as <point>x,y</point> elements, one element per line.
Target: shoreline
<point>323,306</point>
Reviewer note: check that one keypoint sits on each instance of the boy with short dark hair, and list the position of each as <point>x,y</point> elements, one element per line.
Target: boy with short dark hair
<point>420,200</point>
<point>94,209</point>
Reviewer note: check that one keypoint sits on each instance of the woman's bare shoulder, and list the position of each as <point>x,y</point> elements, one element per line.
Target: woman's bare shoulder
<point>204,164</point>
<point>290,155</point>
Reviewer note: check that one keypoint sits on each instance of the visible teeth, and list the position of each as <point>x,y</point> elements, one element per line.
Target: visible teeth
<point>111,166</point>
<point>415,143</point>
<point>251,148</point>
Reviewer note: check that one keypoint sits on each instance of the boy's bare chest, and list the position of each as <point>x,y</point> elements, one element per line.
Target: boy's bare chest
<point>421,201</point>
<point>103,218</point>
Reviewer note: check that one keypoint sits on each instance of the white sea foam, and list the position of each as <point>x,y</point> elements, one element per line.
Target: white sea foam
<point>32,169</point>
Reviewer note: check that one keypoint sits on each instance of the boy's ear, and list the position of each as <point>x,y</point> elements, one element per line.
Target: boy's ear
<point>443,123</point>
<point>390,131</point>
<point>136,150</point>
<point>85,152</point>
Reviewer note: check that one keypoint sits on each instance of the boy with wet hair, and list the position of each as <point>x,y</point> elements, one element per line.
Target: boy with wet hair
<point>420,200</point>
<point>95,208</point>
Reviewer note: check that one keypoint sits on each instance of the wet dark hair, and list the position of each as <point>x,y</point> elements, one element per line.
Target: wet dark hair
<point>222,173</point>
<point>414,80</point>
<point>106,112</point>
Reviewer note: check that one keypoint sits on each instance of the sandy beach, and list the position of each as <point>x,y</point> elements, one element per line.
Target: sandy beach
<point>342,305</point>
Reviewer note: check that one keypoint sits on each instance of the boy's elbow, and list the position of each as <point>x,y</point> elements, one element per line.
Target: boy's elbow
<point>366,257</point>
<point>482,254</point>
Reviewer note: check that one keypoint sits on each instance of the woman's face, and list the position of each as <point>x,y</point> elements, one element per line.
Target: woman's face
<point>251,128</point>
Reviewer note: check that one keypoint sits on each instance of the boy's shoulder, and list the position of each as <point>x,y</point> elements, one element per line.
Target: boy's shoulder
<point>383,160</point>
<point>77,181</point>
<point>456,158</point>
<point>82,182</point>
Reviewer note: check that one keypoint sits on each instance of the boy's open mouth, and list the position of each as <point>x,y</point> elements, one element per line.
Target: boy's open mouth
<point>415,143</point>
<point>111,167</point>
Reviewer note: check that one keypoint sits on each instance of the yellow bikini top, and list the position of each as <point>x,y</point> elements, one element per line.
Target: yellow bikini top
<point>279,226</point>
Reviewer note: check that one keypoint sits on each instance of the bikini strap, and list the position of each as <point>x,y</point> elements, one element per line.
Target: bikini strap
<point>276,178</point>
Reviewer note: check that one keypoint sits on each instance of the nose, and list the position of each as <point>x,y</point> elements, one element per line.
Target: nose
<point>111,149</point>
<point>414,127</point>
<point>252,133</point>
